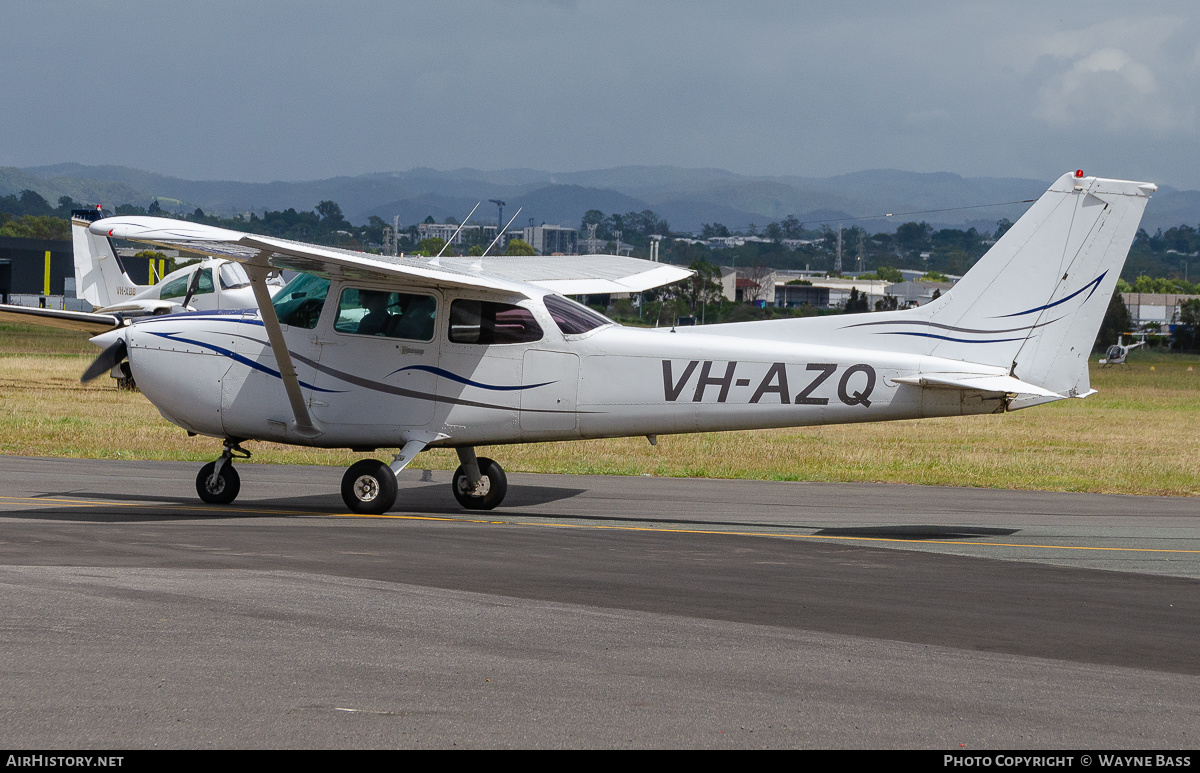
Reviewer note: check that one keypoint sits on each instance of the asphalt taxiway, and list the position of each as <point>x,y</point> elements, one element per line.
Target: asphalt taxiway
<point>590,611</point>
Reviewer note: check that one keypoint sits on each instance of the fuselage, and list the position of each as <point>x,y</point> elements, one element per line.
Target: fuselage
<point>214,373</point>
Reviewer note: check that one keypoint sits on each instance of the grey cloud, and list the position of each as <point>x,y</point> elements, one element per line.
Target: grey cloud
<point>312,89</point>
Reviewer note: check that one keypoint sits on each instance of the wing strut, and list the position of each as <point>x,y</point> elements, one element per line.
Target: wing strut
<point>257,271</point>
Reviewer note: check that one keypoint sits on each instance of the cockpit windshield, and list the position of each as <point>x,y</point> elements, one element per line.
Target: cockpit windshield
<point>299,303</point>
<point>233,275</point>
<point>574,318</point>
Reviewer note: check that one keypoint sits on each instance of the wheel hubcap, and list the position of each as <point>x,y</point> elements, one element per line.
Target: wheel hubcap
<point>481,488</point>
<point>366,488</point>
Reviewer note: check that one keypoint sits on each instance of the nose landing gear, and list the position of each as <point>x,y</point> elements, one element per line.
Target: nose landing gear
<point>218,483</point>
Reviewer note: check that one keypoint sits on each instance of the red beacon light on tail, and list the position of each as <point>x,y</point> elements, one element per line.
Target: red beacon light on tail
<point>1079,173</point>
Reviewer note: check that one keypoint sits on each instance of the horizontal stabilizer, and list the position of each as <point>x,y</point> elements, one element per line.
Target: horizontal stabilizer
<point>1001,384</point>
<point>63,320</point>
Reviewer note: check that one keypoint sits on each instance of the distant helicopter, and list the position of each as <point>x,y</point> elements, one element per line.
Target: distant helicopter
<point>1116,354</point>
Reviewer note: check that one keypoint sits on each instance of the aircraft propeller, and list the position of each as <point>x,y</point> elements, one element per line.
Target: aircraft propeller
<point>108,359</point>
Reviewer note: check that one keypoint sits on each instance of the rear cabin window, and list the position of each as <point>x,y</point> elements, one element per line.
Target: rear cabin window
<point>574,318</point>
<point>488,322</point>
<point>299,303</point>
<point>391,315</point>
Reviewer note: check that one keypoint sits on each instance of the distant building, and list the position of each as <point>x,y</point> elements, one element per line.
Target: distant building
<point>790,296</point>
<point>33,272</point>
<point>824,291</point>
<point>918,292</point>
<point>27,266</point>
<point>1160,308</point>
<point>748,285</point>
<point>552,239</point>
<point>445,231</point>
<point>728,282</point>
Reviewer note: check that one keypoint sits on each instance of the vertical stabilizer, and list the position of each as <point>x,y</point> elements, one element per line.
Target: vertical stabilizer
<point>1030,308</point>
<point>1039,295</point>
<point>100,278</point>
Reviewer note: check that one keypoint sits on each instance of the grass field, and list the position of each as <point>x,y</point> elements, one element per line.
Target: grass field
<point>1139,435</point>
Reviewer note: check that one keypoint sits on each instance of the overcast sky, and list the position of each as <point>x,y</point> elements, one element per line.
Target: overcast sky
<point>261,91</point>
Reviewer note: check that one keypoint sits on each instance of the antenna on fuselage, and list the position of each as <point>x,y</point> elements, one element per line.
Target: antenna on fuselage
<point>479,263</point>
<point>435,261</point>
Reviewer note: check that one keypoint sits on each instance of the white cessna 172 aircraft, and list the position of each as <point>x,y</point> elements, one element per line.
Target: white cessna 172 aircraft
<point>364,352</point>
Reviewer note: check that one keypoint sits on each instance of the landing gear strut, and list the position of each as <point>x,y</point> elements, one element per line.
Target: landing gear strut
<point>218,483</point>
<point>479,483</point>
<point>125,378</point>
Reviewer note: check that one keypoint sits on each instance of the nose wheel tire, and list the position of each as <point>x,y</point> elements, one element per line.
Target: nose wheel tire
<point>490,491</point>
<point>221,491</point>
<point>369,487</point>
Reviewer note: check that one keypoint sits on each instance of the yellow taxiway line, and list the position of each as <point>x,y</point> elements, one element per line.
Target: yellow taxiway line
<point>656,529</point>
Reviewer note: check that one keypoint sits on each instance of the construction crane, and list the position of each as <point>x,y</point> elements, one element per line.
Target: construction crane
<point>499,214</point>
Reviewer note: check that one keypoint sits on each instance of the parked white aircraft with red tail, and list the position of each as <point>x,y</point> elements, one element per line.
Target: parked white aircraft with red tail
<point>102,280</point>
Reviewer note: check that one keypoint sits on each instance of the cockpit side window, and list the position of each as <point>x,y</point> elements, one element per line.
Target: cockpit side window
<point>176,288</point>
<point>299,303</point>
<point>489,322</point>
<point>391,315</point>
<point>205,285</point>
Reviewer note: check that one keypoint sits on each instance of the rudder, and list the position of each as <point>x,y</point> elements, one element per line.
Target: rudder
<point>1039,295</point>
<point>100,277</point>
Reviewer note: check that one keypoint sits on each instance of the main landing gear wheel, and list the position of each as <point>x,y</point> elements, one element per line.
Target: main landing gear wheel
<point>369,487</point>
<point>488,493</point>
<point>220,490</point>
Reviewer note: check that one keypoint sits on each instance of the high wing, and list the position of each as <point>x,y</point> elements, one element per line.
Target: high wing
<point>270,252</point>
<point>574,274</point>
<point>83,321</point>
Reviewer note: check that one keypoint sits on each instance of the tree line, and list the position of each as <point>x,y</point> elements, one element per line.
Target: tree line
<point>1159,262</point>
<point>28,215</point>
